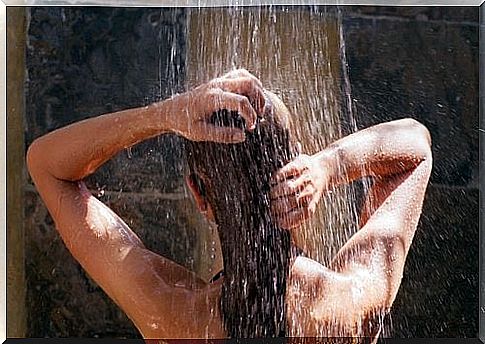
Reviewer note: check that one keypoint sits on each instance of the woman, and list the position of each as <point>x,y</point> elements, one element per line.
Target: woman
<point>245,176</point>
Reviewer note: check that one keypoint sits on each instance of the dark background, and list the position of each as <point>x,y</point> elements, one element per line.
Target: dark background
<point>403,62</point>
<point>423,63</point>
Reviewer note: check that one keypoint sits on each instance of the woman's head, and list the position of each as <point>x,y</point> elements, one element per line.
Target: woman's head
<point>212,165</point>
<point>231,183</point>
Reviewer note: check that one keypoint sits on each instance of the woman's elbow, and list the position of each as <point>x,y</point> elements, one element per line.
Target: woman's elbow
<point>421,131</point>
<point>34,158</point>
<point>419,134</point>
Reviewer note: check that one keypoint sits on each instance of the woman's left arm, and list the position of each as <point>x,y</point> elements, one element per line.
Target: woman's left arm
<point>379,151</point>
<point>348,297</point>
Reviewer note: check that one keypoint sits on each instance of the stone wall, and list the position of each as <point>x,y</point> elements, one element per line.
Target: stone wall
<point>83,62</point>
<point>403,62</point>
<point>422,63</point>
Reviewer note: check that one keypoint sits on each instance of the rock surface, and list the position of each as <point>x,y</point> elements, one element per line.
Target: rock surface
<point>422,62</point>
<point>83,62</point>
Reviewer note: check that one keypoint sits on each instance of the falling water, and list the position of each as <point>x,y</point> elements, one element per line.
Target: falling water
<point>294,52</point>
<point>299,54</point>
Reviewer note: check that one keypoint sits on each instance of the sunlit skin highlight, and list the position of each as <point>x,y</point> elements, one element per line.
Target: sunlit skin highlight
<point>162,298</point>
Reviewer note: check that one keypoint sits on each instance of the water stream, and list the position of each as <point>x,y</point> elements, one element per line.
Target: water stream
<point>298,53</point>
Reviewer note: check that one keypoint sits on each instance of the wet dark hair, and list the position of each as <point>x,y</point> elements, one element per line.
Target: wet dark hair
<point>235,179</point>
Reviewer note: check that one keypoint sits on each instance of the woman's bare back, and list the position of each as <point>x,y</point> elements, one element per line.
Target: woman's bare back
<point>165,300</point>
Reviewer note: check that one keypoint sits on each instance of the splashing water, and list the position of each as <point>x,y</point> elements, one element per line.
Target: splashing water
<point>299,54</point>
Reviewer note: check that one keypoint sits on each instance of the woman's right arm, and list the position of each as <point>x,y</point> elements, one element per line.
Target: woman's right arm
<point>73,152</point>
<point>98,238</point>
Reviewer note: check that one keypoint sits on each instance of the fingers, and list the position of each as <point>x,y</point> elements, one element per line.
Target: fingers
<point>234,102</point>
<point>312,205</point>
<point>290,186</point>
<point>286,204</point>
<point>308,192</point>
<point>242,73</point>
<point>242,82</point>
<point>290,170</point>
<point>247,87</point>
<point>289,211</point>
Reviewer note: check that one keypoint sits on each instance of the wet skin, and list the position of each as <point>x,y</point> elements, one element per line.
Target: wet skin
<point>163,299</point>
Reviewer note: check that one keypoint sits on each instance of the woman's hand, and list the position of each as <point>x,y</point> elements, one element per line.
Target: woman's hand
<point>297,189</point>
<point>238,91</point>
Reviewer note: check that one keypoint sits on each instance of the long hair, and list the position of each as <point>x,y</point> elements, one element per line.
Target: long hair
<point>256,253</point>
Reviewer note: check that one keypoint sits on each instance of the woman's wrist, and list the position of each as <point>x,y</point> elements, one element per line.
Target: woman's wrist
<point>172,114</point>
<point>163,114</point>
<point>328,162</point>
